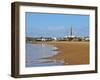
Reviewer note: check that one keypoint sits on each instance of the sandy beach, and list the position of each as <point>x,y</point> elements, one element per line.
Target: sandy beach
<point>72,53</point>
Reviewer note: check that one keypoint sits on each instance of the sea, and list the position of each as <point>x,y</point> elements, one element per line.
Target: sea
<point>38,55</point>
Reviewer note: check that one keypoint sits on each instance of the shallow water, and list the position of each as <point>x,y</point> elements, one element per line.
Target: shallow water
<point>37,55</point>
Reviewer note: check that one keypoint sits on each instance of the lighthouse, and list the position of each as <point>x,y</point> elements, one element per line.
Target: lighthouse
<point>71,32</point>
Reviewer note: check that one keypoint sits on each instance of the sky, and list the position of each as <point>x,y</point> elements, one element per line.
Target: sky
<point>56,25</point>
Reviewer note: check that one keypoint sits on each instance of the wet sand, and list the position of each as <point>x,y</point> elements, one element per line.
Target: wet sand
<point>72,53</point>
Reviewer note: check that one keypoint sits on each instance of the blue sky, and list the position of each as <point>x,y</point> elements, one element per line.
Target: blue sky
<point>56,25</point>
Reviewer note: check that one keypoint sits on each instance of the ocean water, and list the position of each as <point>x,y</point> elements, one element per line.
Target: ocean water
<point>37,55</point>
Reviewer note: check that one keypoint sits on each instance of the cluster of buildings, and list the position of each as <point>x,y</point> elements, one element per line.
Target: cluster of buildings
<point>70,37</point>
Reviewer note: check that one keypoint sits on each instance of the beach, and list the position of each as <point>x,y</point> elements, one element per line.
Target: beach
<point>72,53</point>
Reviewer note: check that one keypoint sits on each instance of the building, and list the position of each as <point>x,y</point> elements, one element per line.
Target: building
<point>71,36</point>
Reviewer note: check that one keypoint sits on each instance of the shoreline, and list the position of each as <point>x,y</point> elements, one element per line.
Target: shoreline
<point>72,53</point>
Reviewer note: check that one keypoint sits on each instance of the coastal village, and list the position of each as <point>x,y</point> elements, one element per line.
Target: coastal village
<point>70,37</point>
